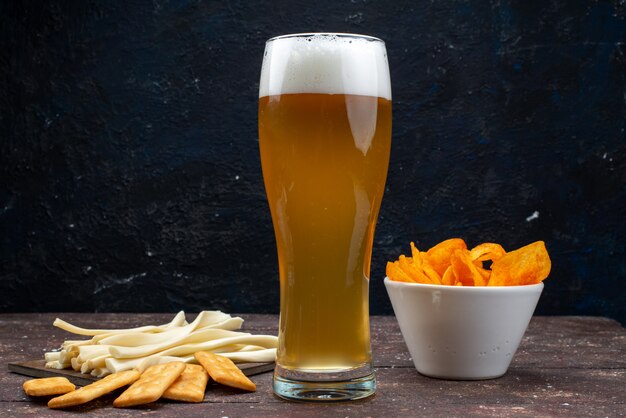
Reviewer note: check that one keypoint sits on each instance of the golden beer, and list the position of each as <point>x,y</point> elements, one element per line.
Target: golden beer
<point>324,187</point>
<point>325,136</point>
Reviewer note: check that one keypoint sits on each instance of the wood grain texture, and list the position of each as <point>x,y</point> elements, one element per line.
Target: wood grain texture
<point>565,366</point>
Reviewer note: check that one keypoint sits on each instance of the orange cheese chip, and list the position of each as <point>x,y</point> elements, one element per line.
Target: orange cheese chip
<point>413,271</point>
<point>465,270</point>
<point>430,272</point>
<point>451,263</point>
<point>394,272</point>
<point>487,251</point>
<point>448,277</point>
<point>439,255</point>
<point>528,265</point>
<point>485,273</point>
<point>422,263</point>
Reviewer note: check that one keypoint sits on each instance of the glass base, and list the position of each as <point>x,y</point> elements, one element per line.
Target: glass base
<point>325,391</point>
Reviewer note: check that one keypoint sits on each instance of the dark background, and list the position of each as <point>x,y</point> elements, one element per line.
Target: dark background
<point>130,177</point>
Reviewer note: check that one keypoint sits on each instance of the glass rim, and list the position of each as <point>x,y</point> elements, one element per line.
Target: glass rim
<point>336,34</point>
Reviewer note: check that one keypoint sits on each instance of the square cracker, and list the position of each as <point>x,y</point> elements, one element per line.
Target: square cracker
<point>151,385</point>
<point>95,390</point>
<point>48,386</point>
<point>224,371</point>
<point>190,385</point>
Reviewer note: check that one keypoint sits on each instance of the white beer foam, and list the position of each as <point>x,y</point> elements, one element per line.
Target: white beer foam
<point>325,63</point>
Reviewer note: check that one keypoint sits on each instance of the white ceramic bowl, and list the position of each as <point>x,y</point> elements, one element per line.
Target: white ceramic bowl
<point>459,332</point>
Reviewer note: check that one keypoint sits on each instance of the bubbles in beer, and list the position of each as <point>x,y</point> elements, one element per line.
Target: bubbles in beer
<point>325,63</point>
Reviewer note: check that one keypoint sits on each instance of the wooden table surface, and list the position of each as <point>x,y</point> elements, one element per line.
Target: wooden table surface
<point>565,366</point>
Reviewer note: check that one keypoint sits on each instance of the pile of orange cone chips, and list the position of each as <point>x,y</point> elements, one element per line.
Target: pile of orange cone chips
<point>452,263</point>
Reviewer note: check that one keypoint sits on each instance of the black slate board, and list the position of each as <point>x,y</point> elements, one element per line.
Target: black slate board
<point>37,368</point>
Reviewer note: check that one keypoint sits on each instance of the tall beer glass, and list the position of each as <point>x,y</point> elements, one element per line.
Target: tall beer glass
<point>325,135</point>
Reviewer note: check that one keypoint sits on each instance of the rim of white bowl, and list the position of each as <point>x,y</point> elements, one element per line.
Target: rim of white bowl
<point>520,288</point>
